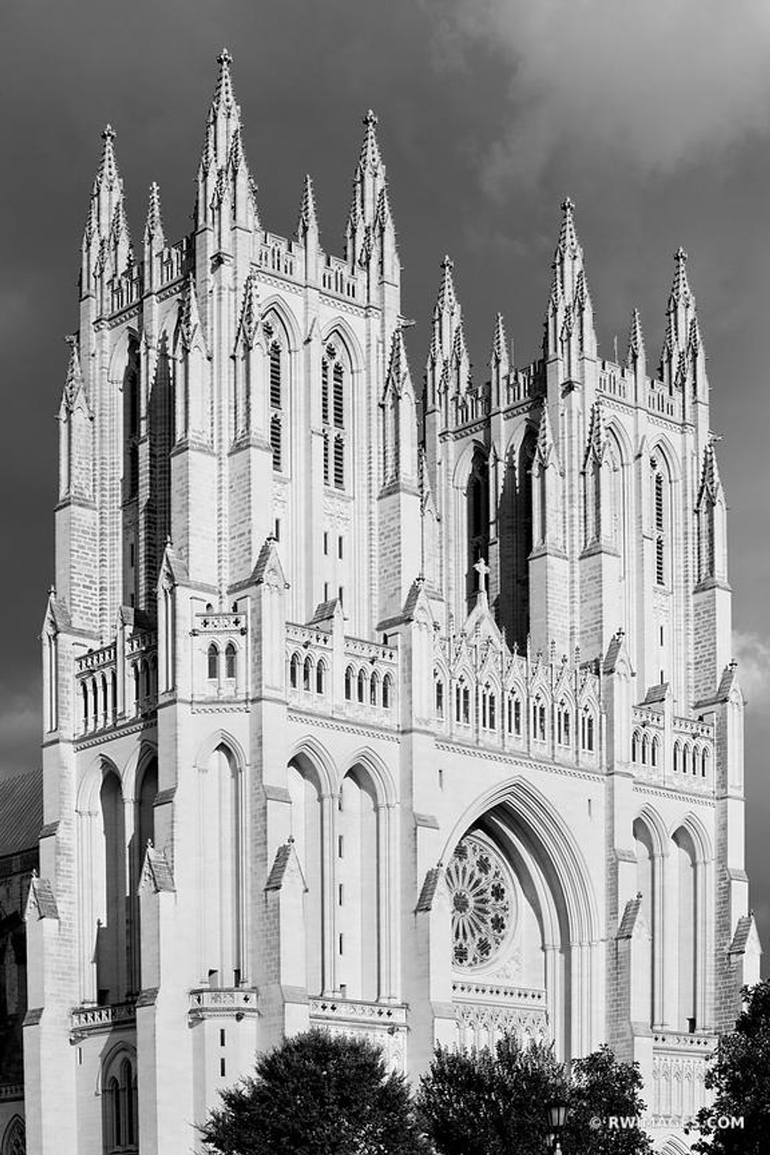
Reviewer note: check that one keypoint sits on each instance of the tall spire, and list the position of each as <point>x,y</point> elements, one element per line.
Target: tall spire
<point>570,310</point>
<point>368,182</point>
<point>681,354</point>
<point>448,368</point>
<point>223,164</point>
<point>597,434</point>
<point>398,368</point>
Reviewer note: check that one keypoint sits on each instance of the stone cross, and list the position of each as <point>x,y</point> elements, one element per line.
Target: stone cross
<point>482,569</point>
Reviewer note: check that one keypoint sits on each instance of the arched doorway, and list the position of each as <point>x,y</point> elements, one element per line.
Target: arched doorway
<point>524,927</point>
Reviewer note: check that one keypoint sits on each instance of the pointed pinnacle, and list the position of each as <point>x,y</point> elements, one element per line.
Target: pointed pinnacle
<point>370,150</point>
<point>73,382</point>
<point>224,97</point>
<point>597,437</point>
<point>500,344</point>
<point>398,367</point>
<point>635,338</point>
<point>680,290</point>
<point>711,482</point>
<point>307,213</point>
<point>107,174</point>
<point>190,316</point>
<point>568,241</point>
<point>544,437</point>
<point>446,294</point>
<point>153,229</point>
<point>249,318</point>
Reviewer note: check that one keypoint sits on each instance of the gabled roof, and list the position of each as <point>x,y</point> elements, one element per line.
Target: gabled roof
<point>21,807</point>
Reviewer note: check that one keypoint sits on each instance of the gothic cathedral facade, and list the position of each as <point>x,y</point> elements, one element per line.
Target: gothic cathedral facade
<point>400,709</point>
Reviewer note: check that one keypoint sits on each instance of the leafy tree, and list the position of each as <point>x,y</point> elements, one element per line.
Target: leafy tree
<point>480,1103</point>
<point>604,1089</point>
<point>317,1094</point>
<point>740,1076</point>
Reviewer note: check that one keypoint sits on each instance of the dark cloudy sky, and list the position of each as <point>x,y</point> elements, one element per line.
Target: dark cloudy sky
<point>655,118</point>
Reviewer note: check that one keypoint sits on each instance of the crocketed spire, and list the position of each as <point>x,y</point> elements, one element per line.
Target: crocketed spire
<point>570,311</point>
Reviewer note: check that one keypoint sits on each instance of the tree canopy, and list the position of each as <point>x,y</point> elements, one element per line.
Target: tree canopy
<point>317,1094</point>
<point>740,1077</point>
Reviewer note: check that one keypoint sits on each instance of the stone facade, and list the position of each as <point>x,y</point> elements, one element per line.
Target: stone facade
<point>406,712</point>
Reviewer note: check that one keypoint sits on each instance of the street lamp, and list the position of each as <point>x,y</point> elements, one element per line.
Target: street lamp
<point>557,1118</point>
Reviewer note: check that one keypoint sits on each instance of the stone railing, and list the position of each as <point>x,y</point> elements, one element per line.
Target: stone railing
<point>276,255</point>
<point>96,1020</point>
<point>107,695</point>
<point>612,380</point>
<point>338,278</point>
<point>488,1010</point>
<point>679,1064</point>
<point>381,1023</point>
<point>225,1002</point>
<point>10,1092</point>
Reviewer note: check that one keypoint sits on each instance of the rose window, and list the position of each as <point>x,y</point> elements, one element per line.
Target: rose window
<point>483,902</point>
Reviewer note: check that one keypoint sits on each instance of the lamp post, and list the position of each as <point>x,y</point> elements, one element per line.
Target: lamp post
<point>557,1118</point>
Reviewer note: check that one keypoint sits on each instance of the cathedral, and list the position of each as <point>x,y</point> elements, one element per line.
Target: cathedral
<point>396,704</point>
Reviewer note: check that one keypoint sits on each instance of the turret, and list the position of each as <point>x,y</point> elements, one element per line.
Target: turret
<point>370,235</point>
<point>226,202</point>
<point>106,241</point>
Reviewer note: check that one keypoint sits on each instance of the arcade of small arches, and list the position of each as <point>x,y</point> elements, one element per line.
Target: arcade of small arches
<point>99,700</point>
<point>570,726</point>
<point>687,759</point>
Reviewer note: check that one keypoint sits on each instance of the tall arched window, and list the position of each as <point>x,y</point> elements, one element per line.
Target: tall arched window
<point>144,827</point>
<point>647,865</point>
<point>230,661</point>
<point>438,689</point>
<point>294,671</point>
<point>212,662</point>
<point>387,692</point>
<point>587,730</point>
<point>334,406</point>
<point>320,677</point>
<point>477,515</point>
<point>120,1116</point>
<point>307,831</point>
<point>111,935</point>
<point>349,684</point>
<point>358,942</point>
<point>276,358</point>
<point>660,516</point>
<point>222,870</point>
<point>687,920</point>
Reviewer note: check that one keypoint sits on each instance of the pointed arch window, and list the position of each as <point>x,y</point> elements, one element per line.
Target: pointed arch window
<point>230,661</point>
<point>387,692</point>
<point>438,696</point>
<point>15,1138</point>
<point>514,715</point>
<point>320,677</point>
<point>307,674</point>
<point>349,684</point>
<point>294,672</point>
<point>587,730</point>
<point>374,689</point>
<point>488,709</point>
<point>660,524</point>
<point>276,365</point>
<point>563,724</point>
<point>334,416</point>
<point>538,719</point>
<point>212,662</point>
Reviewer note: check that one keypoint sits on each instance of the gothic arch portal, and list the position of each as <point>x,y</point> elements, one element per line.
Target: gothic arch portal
<point>541,941</point>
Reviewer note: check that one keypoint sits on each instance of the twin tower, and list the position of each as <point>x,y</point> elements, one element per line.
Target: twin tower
<point>401,707</point>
